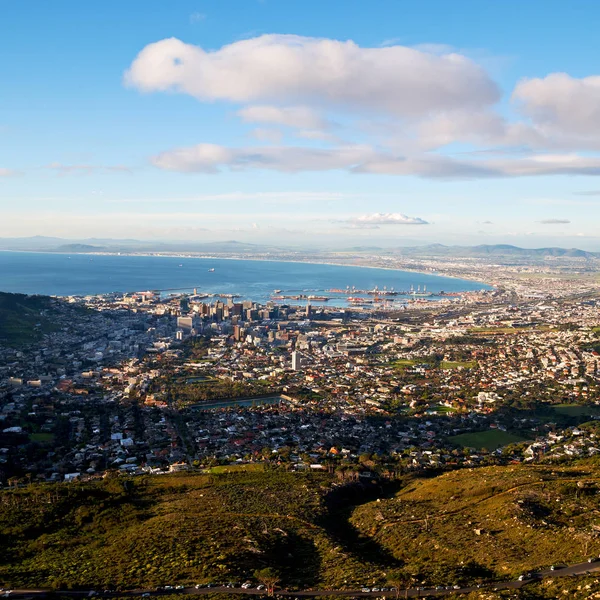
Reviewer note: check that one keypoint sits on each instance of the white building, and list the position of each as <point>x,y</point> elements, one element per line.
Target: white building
<point>296,361</point>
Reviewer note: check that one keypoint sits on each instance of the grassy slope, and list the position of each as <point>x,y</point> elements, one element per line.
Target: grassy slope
<point>528,517</point>
<point>169,529</point>
<point>221,527</point>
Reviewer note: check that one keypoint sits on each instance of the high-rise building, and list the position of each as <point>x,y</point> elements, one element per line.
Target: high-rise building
<point>185,323</point>
<point>296,361</point>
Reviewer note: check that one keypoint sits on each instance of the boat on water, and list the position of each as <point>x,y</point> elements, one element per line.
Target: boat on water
<point>210,270</point>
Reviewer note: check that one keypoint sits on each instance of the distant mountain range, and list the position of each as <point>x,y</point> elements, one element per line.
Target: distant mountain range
<point>496,250</point>
<point>52,244</point>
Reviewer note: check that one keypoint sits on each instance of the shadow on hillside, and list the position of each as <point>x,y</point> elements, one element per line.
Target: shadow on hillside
<point>341,503</point>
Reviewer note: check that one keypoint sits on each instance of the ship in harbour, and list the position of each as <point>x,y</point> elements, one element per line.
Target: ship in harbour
<point>418,293</point>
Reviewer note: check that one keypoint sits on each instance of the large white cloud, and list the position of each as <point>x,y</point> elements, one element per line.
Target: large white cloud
<point>291,69</point>
<point>563,103</point>
<point>563,111</point>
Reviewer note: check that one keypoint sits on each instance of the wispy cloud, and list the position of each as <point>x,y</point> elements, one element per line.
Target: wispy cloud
<point>197,17</point>
<point>283,197</point>
<point>387,219</point>
<point>7,172</point>
<point>86,169</point>
<point>555,221</point>
<point>588,193</point>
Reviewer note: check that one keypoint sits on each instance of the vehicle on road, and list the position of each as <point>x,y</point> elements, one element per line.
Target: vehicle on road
<point>593,559</point>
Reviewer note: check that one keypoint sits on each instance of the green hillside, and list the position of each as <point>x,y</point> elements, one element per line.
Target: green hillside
<point>500,520</point>
<point>459,527</point>
<point>24,319</point>
<point>168,529</point>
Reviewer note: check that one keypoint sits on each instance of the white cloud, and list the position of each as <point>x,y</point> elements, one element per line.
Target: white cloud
<point>289,69</point>
<point>387,219</point>
<point>7,172</point>
<point>212,158</point>
<point>301,117</point>
<point>563,111</point>
<point>562,103</point>
<point>555,221</point>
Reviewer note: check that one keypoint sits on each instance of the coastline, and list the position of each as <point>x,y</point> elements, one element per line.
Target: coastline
<point>259,259</point>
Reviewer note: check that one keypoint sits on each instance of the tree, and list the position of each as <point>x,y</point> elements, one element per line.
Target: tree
<point>398,580</point>
<point>268,577</point>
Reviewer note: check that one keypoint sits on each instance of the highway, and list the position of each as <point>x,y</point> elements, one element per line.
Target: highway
<point>567,571</point>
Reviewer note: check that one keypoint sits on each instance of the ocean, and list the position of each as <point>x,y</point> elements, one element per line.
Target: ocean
<point>81,274</point>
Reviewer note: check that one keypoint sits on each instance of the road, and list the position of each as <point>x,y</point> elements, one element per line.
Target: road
<point>568,571</point>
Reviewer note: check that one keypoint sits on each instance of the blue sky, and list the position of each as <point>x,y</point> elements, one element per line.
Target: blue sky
<point>301,122</point>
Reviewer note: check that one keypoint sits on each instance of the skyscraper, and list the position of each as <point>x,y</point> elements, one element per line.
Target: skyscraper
<point>296,361</point>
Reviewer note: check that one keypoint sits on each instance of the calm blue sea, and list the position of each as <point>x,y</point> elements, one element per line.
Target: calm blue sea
<point>80,274</point>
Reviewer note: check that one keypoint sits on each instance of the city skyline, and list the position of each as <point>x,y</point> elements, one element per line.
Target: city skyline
<point>300,123</point>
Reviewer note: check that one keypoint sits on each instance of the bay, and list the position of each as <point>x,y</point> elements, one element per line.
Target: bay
<point>84,274</point>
